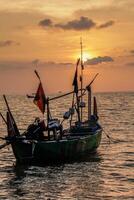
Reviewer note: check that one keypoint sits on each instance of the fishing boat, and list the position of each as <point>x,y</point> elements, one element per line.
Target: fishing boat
<point>46,140</point>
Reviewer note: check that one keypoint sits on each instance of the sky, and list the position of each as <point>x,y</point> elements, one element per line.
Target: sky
<point>45,35</point>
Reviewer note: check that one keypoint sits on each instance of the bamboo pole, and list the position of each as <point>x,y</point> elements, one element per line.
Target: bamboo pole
<point>81,78</point>
<point>48,118</point>
<point>89,102</point>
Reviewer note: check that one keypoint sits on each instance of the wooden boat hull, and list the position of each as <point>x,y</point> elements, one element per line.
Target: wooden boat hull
<point>70,148</point>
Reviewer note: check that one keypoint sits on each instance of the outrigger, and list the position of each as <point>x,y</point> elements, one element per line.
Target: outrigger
<point>47,141</point>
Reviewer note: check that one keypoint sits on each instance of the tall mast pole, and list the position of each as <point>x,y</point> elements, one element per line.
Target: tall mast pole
<point>48,118</point>
<point>81,77</point>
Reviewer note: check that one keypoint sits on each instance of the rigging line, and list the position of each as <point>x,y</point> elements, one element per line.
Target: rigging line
<point>110,139</point>
<point>3,118</point>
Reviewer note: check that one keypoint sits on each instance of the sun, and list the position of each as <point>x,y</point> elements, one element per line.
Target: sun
<point>86,56</point>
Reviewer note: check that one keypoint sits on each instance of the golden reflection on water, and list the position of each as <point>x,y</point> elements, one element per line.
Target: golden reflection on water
<point>106,175</point>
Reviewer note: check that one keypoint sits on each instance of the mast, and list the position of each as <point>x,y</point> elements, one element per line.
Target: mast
<point>48,118</point>
<point>81,76</point>
<point>89,102</point>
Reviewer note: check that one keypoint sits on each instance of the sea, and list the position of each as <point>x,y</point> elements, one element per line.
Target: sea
<point>106,175</point>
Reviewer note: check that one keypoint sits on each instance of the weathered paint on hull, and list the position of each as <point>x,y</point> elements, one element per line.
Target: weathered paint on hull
<point>51,151</point>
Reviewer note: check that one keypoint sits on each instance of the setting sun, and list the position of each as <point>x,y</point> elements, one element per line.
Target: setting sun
<point>87,56</point>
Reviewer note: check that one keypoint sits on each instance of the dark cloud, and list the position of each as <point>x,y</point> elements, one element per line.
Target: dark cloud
<point>6,43</point>
<point>46,23</point>
<point>97,60</point>
<point>107,24</point>
<point>84,23</point>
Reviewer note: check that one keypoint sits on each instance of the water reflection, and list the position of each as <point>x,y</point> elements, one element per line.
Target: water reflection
<point>107,175</point>
<point>56,181</point>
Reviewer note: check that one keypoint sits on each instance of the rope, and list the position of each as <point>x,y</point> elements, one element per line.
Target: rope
<point>110,139</point>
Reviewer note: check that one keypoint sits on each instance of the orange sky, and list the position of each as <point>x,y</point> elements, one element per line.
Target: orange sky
<point>48,33</point>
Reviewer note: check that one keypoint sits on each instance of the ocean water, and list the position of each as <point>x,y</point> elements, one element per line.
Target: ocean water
<point>107,175</point>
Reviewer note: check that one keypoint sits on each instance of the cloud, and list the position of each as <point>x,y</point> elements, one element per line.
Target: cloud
<point>6,43</point>
<point>83,23</point>
<point>107,24</point>
<point>98,60</point>
<point>46,23</point>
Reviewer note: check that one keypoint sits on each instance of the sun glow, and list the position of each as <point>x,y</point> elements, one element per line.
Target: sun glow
<point>86,56</point>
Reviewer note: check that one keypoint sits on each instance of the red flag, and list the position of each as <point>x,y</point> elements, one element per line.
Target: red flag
<point>40,98</point>
<point>11,124</point>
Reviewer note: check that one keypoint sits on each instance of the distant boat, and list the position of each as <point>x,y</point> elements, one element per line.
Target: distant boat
<point>48,141</point>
